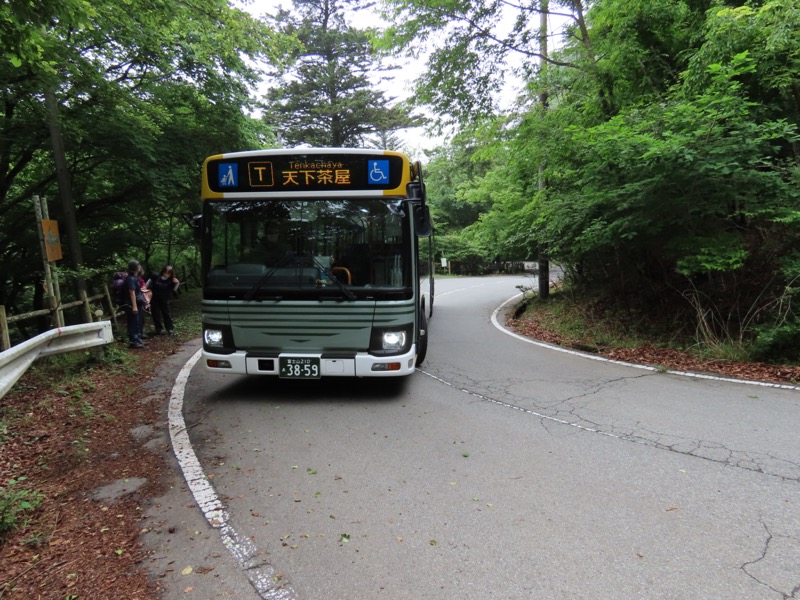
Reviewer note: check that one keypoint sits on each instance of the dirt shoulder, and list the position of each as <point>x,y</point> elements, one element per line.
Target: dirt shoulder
<point>662,358</point>
<point>90,448</point>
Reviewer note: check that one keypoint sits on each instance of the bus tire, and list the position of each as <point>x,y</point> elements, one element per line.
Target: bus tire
<point>422,349</point>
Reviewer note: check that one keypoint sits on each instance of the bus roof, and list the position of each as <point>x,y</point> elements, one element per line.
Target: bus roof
<point>306,172</point>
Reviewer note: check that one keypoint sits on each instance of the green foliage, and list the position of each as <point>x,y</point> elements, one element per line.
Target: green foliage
<point>144,92</point>
<point>683,184</point>
<point>471,48</point>
<point>450,178</point>
<point>663,172</point>
<point>15,503</point>
<point>777,343</point>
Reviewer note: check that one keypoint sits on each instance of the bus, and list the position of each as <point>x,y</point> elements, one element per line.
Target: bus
<point>316,262</point>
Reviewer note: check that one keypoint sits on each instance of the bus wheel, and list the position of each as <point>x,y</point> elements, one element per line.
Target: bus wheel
<point>422,350</point>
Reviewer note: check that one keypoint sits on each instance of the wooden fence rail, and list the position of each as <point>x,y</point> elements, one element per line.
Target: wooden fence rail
<point>85,302</point>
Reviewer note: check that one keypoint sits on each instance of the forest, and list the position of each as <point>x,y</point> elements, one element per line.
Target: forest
<point>651,151</point>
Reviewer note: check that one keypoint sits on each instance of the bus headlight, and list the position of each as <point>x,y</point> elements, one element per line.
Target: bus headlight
<point>394,340</point>
<point>391,341</point>
<point>213,337</point>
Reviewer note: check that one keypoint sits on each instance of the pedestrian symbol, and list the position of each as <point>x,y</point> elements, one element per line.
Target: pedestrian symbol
<point>228,175</point>
<point>378,171</point>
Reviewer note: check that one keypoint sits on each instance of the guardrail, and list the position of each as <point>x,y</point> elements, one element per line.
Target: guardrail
<point>15,361</point>
<point>85,303</point>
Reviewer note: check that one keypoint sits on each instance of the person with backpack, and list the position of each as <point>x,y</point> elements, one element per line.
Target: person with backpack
<point>132,301</point>
<point>162,288</point>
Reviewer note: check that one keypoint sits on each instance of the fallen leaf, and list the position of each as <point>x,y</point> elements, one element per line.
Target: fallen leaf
<point>187,571</point>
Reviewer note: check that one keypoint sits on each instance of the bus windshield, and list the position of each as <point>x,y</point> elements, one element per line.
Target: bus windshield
<point>308,248</point>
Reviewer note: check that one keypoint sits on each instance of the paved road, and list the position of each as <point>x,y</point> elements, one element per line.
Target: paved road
<point>502,469</point>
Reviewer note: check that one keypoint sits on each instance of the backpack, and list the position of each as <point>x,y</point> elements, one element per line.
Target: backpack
<point>119,291</point>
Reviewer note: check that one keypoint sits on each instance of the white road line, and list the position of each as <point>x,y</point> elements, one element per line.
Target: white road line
<point>268,583</point>
<point>461,289</point>
<point>498,325</point>
<point>519,408</point>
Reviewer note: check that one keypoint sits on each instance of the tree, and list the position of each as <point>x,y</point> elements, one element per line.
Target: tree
<point>143,92</point>
<point>474,47</point>
<point>327,97</point>
<point>670,147</point>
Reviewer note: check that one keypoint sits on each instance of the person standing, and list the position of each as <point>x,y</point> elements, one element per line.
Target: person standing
<point>133,304</point>
<point>162,288</point>
<point>144,301</point>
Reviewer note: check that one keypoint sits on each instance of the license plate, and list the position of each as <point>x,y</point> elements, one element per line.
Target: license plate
<point>298,367</point>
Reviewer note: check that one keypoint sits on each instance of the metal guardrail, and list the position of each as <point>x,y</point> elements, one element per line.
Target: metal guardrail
<point>55,312</point>
<point>16,360</point>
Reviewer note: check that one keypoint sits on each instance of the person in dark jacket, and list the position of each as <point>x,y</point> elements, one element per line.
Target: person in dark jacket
<point>162,288</point>
<point>132,302</point>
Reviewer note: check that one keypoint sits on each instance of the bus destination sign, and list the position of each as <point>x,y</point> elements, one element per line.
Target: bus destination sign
<point>309,173</point>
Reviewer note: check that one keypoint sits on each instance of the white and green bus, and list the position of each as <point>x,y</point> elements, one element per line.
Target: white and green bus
<point>316,263</point>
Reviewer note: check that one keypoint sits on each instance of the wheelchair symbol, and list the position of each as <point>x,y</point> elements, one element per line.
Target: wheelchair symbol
<point>378,171</point>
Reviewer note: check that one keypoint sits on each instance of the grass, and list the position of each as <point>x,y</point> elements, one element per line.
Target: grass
<point>583,324</point>
<point>15,502</point>
<point>595,324</point>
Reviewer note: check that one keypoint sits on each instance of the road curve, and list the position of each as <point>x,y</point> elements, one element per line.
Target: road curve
<point>501,469</point>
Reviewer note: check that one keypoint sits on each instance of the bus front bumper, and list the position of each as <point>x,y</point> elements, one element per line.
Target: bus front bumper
<point>359,365</point>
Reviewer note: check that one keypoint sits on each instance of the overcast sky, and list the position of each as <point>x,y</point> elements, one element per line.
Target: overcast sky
<point>400,87</point>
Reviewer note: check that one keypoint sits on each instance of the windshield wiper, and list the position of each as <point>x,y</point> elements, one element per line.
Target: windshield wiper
<point>282,262</point>
<point>348,293</point>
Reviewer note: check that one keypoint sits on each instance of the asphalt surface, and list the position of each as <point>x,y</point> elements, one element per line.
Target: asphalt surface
<point>501,469</point>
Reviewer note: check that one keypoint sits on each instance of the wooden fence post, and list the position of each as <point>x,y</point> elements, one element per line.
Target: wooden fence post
<point>111,309</point>
<point>5,338</point>
<point>88,317</point>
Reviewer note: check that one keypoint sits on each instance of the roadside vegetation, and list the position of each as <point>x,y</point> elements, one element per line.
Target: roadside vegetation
<point>588,324</point>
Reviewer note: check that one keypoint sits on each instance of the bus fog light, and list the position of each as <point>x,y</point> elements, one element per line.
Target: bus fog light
<point>394,340</point>
<point>213,337</point>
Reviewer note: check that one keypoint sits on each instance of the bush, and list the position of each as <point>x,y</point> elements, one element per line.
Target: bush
<point>14,502</point>
<point>779,343</point>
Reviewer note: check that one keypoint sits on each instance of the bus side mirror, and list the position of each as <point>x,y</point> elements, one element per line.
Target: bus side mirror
<point>422,220</point>
<point>195,222</point>
<point>415,191</point>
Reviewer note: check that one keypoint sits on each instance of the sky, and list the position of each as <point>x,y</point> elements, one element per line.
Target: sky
<point>416,140</point>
